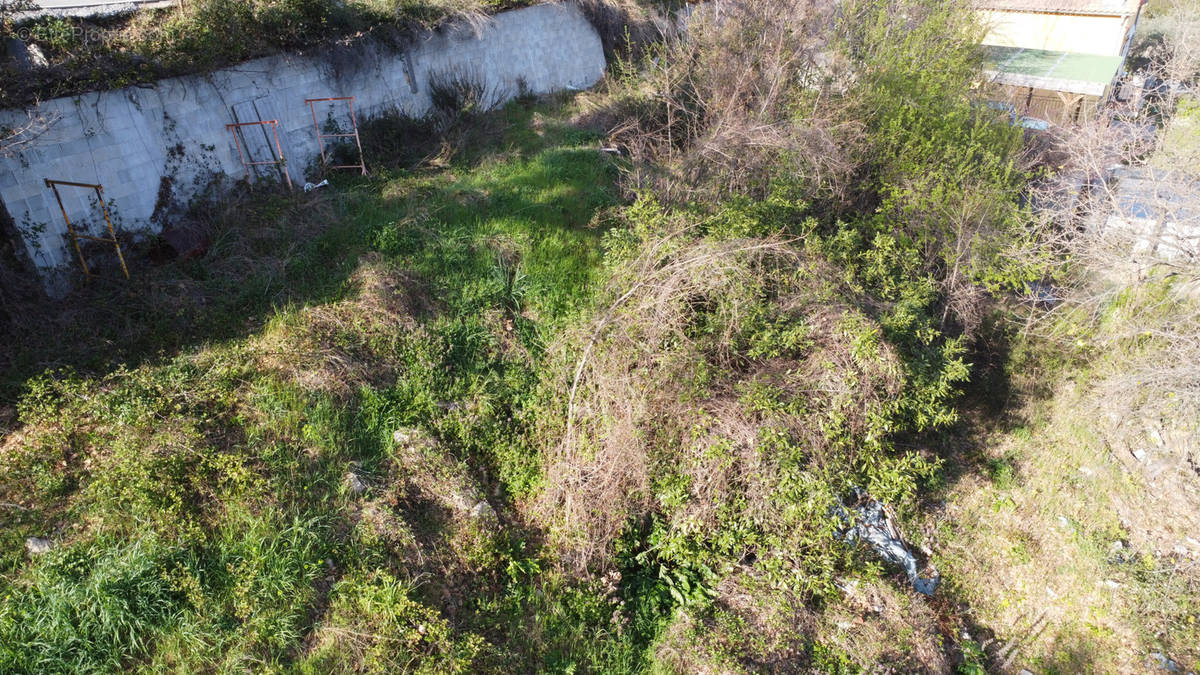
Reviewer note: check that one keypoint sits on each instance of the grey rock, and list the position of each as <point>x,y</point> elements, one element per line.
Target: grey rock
<point>354,484</point>
<point>38,546</point>
<point>36,57</point>
<point>407,436</point>
<point>482,510</point>
<point>16,50</point>
<point>1155,437</point>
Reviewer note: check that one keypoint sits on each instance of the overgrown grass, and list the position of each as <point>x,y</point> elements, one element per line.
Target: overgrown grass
<point>1071,548</point>
<point>474,414</point>
<point>320,446</point>
<point>198,495</point>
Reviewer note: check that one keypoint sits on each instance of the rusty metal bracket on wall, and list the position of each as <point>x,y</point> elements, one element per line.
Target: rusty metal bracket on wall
<point>362,164</point>
<point>247,161</point>
<point>75,237</point>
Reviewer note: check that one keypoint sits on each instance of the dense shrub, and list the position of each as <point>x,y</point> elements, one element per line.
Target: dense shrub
<point>863,108</point>
<point>733,392</point>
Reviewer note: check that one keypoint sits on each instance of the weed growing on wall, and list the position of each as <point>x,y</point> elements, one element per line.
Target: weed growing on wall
<point>204,35</point>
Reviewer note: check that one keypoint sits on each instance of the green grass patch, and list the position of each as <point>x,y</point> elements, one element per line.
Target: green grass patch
<point>194,478</point>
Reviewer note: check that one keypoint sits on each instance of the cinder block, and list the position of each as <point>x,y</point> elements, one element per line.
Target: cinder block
<point>36,204</point>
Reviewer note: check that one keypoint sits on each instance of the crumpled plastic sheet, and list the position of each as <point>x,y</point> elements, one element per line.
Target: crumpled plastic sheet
<point>872,522</point>
<point>1042,295</point>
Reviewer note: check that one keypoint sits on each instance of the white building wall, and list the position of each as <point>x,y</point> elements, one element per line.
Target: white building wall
<point>130,139</point>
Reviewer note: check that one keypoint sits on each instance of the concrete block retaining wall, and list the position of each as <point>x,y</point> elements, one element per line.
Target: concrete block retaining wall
<point>130,139</point>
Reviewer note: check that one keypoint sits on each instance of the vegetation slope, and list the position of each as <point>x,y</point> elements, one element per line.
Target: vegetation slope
<point>518,403</point>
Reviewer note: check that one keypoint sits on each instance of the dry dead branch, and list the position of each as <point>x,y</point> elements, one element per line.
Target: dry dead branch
<point>680,311</point>
<point>19,138</point>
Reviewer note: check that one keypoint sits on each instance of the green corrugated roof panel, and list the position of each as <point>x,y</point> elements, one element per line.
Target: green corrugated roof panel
<point>1058,71</point>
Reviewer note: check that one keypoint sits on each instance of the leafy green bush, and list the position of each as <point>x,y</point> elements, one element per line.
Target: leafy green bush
<point>732,395</point>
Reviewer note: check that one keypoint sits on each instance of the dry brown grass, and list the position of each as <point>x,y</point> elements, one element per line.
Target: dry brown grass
<point>339,347</point>
<point>252,235</point>
<point>627,27</point>
<point>717,112</point>
<point>1122,213</point>
<point>1079,559</point>
<point>757,628</point>
<point>657,380</point>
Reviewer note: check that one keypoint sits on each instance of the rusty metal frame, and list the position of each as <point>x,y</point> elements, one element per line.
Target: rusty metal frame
<point>244,156</point>
<point>362,164</point>
<point>75,236</point>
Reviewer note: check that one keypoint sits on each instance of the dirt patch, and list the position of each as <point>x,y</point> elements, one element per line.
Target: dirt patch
<point>432,516</point>
<point>339,347</point>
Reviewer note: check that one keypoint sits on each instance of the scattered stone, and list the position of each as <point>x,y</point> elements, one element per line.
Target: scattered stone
<point>407,436</point>
<point>1139,455</point>
<point>482,510</point>
<point>1155,437</point>
<point>1063,522</point>
<point>36,56</point>
<point>1112,584</point>
<point>354,484</point>
<point>1026,672</point>
<point>38,546</point>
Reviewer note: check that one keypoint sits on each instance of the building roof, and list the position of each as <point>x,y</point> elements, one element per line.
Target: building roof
<point>1057,71</point>
<point>1103,7</point>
